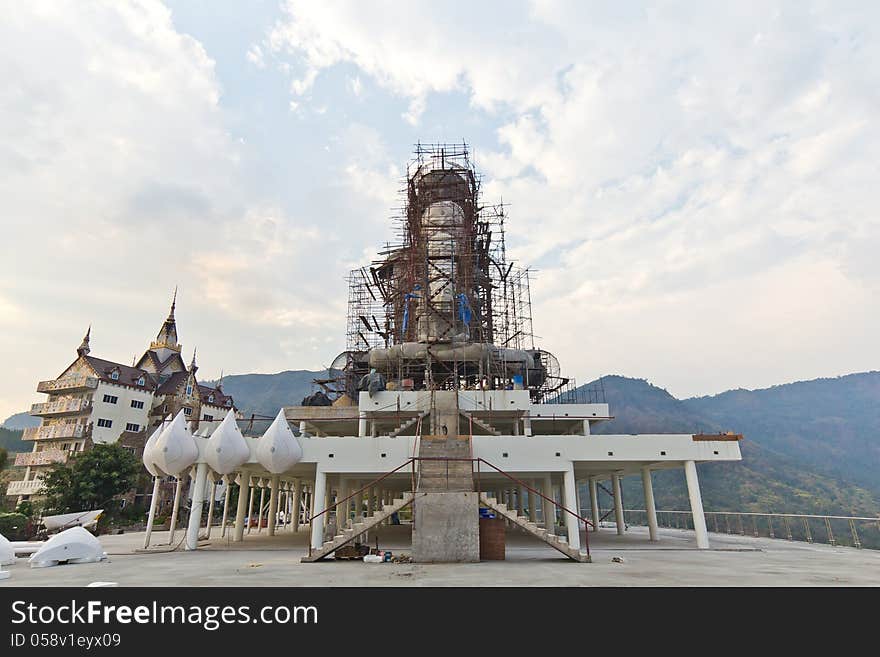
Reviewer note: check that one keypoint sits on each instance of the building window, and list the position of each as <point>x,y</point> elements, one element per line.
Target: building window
<point>211,399</point>
<point>114,375</point>
<point>189,390</point>
<point>208,418</point>
<point>137,404</point>
<point>140,381</point>
<point>131,426</point>
<point>187,411</point>
<point>111,399</point>
<point>105,423</point>
<point>229,402</point>
<point>65,447</point>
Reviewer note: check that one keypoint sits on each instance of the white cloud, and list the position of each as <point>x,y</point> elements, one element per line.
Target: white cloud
<point>652,155</point>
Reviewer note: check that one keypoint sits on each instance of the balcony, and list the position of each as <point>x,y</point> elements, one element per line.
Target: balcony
<point>45,457</point>
<point>62,407</point>
<point>30,487</point>
<point>55,431</point>
<point>73,383</point>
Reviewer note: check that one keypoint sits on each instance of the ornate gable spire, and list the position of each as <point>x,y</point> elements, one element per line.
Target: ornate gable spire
<point>83,349</point>
<point>193,367</point>
<point>167,337</point>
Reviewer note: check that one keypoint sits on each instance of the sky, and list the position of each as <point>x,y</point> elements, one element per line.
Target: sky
<point>694,183</point>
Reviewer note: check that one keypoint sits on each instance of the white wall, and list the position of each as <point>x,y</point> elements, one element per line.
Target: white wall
<point>119,413</point>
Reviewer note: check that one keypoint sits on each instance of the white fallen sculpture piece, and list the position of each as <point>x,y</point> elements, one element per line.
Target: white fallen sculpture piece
<point>175,449</point>
<point>7,552</point>
<point>66,520</point>
<point>279,450</point>
<point>74,545</point>
<point>226,449</point>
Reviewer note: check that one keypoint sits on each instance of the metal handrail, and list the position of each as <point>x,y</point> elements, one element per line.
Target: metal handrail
<point>804,517</point>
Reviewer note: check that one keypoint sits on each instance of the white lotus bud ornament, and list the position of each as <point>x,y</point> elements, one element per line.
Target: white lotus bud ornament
<point>150,448</point>
<point>278,449</point>
<point>226,449</point>
<point>175,449</point>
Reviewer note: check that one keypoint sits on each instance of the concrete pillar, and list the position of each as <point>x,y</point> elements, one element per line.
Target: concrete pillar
<point>362,424</point>
<point>243,490</point>
<point>273,505</point>
<point>225,505</point>
<point>250,516</point>
<point>302,428</point>
<point>572,524</point>
<point>533,502</point>
<point>198,500</point>
<point>693,484</point>
<point>548,509</point>
<point>527,425</point>
<point>618,504</point>
<point>151,517</point>
<point>319,495</point>
<point>260,508</point>
<point>520,500</point>
<point>342,508</point>
<point>586,427</point>
<point>648,487</point>
<point>213,494</point>
<point>178,490</point>
<point>297,503</point>
<point>594,503</point>
<point>371,496</point>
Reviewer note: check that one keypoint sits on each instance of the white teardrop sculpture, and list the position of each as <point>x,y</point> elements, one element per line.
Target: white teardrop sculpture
<point>226,448</point>
<point>278,449</point>
<point>150,448</point>
<point>175,448</point>
<point>7,552</point>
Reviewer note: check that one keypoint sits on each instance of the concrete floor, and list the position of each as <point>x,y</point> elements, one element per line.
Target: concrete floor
<point>673,561</point>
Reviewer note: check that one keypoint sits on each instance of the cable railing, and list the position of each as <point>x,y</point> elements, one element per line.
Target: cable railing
<point>811,528</point>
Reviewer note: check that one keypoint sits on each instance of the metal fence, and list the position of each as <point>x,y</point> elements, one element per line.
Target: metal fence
<point>854,531</point>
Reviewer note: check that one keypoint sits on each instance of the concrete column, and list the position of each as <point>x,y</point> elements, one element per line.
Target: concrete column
<point>260,508</point>
<point>250,516</point>
<point>341,509</point>
<point>572,524</point>
<point>319,495</point>
<point>362,424</point>
<point>618,504</point>
<point>594,503</point>
<point>225,505</point>
<point>371,495</point>
<point>178,489</point>
<point>693,484</point>
<point>213,494</point>
<point>527,425</point>
<point>648,486</point>
<point>548,509</point>
<point>533,502</point>
<point>586,427</point>
<point>520,499</point>
<point>302,428</point>
<point>297,503</point>
<point>241,508</point>
<point>273,505</point>
<point>151,517</point>
<point>198,500</point>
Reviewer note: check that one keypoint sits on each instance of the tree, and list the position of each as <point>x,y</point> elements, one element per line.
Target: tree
<point>90,480</point>
<point>3,457</point>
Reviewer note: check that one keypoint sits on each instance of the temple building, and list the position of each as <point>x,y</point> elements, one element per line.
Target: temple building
<point>95,400</point>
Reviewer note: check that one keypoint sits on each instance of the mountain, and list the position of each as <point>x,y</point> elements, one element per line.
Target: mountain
<point>831,426</point>
<point>20,421</point>
<point>11,441</point>
<point>773,475</point>
<point>265,394</point>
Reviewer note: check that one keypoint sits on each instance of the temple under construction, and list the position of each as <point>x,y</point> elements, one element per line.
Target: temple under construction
<point>442,410</point>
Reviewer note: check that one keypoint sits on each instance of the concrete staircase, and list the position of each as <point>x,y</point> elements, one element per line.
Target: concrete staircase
<point>445,476</point>
<point>358,528</point>
<point>556,542</point>
<point>485,425</point>
<point>406,425</point>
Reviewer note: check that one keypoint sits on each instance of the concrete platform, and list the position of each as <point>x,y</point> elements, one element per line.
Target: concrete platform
<point>674,561</point>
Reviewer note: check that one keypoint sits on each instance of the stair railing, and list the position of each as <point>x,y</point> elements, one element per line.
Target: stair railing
<point>409,461</point>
